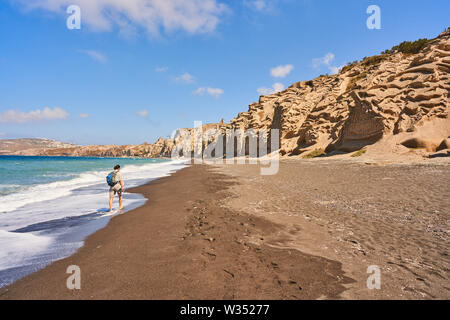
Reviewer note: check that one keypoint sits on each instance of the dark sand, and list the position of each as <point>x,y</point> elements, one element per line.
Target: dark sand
<point>186,243</point>
<point>361,213</point>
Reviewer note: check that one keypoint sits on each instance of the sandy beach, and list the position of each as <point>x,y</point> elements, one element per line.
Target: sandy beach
<point>309,232</point>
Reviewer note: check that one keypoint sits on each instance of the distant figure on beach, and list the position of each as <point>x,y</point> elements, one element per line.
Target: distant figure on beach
<point>115,181</point>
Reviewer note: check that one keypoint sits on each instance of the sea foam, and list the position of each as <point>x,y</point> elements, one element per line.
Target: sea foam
<point>47,222</point>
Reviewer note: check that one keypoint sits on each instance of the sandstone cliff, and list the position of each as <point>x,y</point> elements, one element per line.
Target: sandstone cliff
<point>393,99</point>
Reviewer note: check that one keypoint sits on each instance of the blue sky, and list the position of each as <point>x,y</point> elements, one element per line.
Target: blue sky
<point>141,70</point>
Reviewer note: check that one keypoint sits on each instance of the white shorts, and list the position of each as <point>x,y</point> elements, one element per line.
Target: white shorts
<point>116,189</point>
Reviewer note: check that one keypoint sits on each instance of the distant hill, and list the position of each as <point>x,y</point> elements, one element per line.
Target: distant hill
<point>46,147</point>
<point>30,146</point>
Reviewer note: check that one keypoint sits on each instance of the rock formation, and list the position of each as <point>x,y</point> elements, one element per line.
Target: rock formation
<point>405,96</point>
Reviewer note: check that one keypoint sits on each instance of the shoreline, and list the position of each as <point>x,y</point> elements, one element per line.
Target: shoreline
<point>64,230</point>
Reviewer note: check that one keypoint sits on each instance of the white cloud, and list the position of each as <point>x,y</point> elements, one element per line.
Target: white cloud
<point>281,71</point>
<point>277,87</point>
<point>84,115</point>
<point>326,61</point>
<point>95,55</point>
<point>161,69</point>
<point>154,16</point>
<point>16,116</point>
<point>186,78</point>
<point>215,92</point>
<point>142,113</point>
<point>259,5</point>
<point>335,70</point>
<point>256,4</point>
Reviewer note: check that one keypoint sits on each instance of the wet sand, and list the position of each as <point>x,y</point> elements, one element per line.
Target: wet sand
<point>309,232</point>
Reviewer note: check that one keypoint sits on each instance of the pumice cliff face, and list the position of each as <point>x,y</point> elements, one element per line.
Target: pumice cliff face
<point>392,97</point>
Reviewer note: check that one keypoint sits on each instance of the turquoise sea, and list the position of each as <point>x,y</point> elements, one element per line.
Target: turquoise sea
<point>49,205</point>
<point>19,173</point>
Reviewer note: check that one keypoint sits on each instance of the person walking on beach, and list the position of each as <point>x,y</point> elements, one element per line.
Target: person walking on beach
<point>115,182</point>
